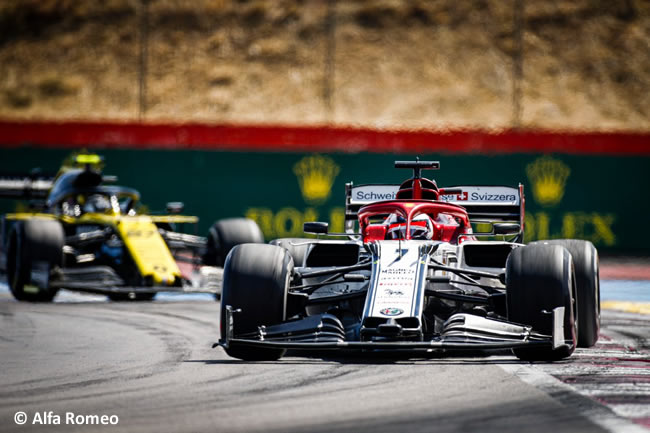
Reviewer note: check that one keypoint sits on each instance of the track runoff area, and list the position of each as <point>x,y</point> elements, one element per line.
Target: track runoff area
<point>609,383</point>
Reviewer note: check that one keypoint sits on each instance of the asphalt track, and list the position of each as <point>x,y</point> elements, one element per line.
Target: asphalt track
<point>151,365</point>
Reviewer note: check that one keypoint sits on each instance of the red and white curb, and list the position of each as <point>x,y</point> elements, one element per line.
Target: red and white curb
<point>609,383</point>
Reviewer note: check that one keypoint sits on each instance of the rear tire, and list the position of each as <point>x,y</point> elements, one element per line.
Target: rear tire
<point>30,241</point>
<point>585,262</point>
<point>298,252</point>
<point>226,234</point>
<point>540,278</point>
<point>256,278</point>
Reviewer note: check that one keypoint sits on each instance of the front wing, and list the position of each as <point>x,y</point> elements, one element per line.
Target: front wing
<point>462,332</point>
<point>104,280</point>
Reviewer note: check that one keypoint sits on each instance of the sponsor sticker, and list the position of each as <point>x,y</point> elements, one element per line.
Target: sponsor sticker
<point>390,292</point>
<point>484,195</point>
<point>391,311</point>
<point>371,193</point>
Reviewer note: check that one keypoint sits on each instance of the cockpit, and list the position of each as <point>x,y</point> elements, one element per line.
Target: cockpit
<point>421,227</point>
<point>78,192</point>
<point>96,202</point>
<point>413,219</point>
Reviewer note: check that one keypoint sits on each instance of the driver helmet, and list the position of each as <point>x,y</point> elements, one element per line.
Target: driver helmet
<point>421,227</point>
<point>97,203</point>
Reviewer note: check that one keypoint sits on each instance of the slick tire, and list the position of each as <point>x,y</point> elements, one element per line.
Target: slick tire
<point>226,234</point>
<point>540,278</point>
<point>256,279</point>
<point>585,262</point>
<point>297,247</point>
<point>31,241</point>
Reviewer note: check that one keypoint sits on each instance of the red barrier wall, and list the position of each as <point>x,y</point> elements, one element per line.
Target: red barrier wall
<point>315,138</point>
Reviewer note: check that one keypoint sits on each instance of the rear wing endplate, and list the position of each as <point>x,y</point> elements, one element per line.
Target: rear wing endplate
<point>483,203</point>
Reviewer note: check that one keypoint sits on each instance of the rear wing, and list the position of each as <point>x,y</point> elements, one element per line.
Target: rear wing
<point>36,185</point>
<point>483,203</point>
<point>25,187</point>
<point>360,195</point>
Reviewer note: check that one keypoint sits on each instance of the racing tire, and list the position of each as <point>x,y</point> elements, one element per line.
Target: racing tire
<point>540,278</point>
<point>298,252</point>
<point>585,262</point>
<point>256,279</point>
<point>122,297</point>
<point>226,234</point>
<point>33,240</point>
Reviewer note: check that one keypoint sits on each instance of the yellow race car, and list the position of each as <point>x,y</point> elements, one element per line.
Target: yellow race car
<point>85,234</point>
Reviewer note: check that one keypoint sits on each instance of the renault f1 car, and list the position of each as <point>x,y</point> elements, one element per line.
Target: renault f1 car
<point>86,235</point>
<point>414,275</point>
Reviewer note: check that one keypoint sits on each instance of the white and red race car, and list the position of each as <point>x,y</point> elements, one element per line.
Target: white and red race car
<point>423,269</point>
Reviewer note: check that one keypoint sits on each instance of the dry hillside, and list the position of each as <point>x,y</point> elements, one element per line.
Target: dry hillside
<point>409,64</point>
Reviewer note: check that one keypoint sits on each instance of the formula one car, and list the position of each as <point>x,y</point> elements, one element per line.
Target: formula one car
<point>82,234</point>
<point>415,277</point>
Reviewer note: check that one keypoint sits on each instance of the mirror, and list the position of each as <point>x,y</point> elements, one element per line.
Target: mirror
<point>175,207</point>
<point>318,228</point>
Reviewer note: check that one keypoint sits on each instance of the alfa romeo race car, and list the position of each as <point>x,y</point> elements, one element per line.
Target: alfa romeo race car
<point>86,235</point>
<point>414,275</point>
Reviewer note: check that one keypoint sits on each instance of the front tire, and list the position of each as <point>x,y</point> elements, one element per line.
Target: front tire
<point>540,278</point>
<point>31,241</point>
<point>585,261</point>
<point>256,279</point>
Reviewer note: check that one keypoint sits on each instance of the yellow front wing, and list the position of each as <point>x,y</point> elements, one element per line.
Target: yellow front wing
<point>148,249</point>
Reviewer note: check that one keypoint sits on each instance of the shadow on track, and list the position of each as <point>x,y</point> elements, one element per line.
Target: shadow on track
<point>357,358</point>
